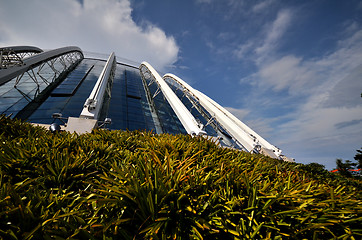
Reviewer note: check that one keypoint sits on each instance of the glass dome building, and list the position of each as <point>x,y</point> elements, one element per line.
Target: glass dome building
<point>81,93</point>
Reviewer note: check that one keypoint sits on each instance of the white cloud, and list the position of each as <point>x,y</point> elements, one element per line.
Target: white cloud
<point>346,92</point>
<point>275,32</point>
<point>243,49</point>
<point>324,93</point>
<point>261,126</point>
<point>239,113</point>
<point>323,123</point>
<point>333,132</point>
<point>203,1</point>
<point>96,26</point>
<point>265,43</point>
<point>360,6</point>
<point>259,7</point>
<point>314,76</point>
<point>287,72</point>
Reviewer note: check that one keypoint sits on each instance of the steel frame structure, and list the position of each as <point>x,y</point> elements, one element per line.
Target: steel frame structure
<point>66,56</point>
<point>17,62</point>
<point>13,56</point>
<point>146,74</point>
<point>94,102</point>
<point>59,61</point>
<point>223,134</point>
<point>188,121</point>
<point>67,61</point>
<point>240,132</point>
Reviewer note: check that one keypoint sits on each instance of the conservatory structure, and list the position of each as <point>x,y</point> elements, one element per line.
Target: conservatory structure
<point>63,87</point>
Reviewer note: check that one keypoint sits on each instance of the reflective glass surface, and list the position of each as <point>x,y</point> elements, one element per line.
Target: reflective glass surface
<point>125,102</point>
<point>70,105</point>
<point>168,119</point>
<point>16,94</point>
<point>128,107</point>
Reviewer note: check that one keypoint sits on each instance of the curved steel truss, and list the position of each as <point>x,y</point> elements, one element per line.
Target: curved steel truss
<point>240,132</point>
<point>65,56</point>
<point>188,121</point>
<point>39,74</point>
<point>58,64</point>
<point>13,56</point>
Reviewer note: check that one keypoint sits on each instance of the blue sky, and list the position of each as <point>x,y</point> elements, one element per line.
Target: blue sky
<point>291,70</point>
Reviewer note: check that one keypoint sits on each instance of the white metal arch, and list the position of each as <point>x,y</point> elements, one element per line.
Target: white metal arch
<point>186,118</point>
<point>242,133</point>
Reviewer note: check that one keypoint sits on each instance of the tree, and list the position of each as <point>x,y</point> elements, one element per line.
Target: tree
<point>345,167</point>
<point>315,168</point>
<point>358,158</point>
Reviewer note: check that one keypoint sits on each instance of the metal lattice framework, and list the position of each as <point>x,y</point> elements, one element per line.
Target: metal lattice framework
<point>66,56</point>
<point>223,135</point>
<point>146,75</point>
<point>42,68</point>
<point>240,132</point>
<point>13,56</point>
<point>188,121</point>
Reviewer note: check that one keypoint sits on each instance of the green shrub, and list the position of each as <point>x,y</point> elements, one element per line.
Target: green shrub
<point>136,185</point>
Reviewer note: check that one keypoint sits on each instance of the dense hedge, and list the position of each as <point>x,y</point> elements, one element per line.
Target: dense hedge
<point>136,185</point>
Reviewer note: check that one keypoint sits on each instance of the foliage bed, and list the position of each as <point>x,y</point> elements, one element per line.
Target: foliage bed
<point>136,185</point>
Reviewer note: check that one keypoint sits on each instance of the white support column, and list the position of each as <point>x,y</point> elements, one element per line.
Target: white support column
<point>93,104</point>
<point>243,134</point>
<point>185,117</point>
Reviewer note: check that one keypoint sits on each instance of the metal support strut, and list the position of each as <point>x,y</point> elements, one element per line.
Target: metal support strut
<point>186,118</point>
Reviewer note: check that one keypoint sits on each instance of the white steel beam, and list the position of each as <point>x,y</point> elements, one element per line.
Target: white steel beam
<point>93,104</point>
<point>240,132</point>
<point>186,118</point>
<point>244,127</point>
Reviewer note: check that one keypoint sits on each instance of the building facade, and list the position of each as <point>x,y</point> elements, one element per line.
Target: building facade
<point>80,93</point>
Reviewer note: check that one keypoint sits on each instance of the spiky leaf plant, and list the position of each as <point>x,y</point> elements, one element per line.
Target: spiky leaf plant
<point>137,185</point>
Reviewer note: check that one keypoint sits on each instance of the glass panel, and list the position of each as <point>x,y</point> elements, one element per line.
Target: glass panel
<point>28,88</point>
<point>70,106</point>
<point>70,85</point>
